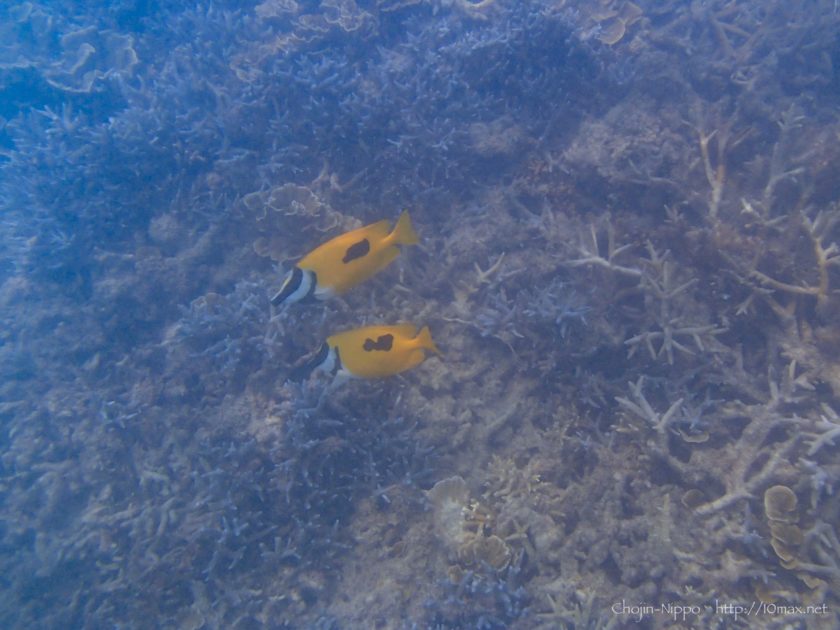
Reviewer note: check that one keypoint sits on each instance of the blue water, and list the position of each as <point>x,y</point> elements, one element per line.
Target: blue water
<point>628,216</point>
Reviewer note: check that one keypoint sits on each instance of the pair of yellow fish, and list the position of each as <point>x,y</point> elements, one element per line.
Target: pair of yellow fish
<point>336,266</point>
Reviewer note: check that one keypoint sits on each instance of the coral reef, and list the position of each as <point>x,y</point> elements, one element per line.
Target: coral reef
<point>630,225</point>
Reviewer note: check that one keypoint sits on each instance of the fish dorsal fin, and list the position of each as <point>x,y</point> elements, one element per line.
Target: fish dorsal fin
<point>407,331</point>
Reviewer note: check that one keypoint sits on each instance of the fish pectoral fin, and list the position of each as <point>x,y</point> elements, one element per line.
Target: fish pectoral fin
<point>405,330</point>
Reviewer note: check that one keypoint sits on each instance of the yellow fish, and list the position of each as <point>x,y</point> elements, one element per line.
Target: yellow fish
<point>346,260</point>
<point>374,351</point>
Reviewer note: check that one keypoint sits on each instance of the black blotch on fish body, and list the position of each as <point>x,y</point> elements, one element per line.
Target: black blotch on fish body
<point>356,250</point>
<point>383,342</point>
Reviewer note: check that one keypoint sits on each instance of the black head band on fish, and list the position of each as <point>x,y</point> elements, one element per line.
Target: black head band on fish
<point>325,359</point>
<point>299,285</point>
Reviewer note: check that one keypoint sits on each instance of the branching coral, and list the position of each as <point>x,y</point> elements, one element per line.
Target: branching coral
<point>643,410</point>
<point>784,164</point>
<point>668,316</point>
<point>823,544</point>
<point>661,284</point>
<point>590,253</point>
<point>826,255</point>
<point>158,462</point>
<point>829,430</point>
<point>714,168</point>
<point>751,471</point>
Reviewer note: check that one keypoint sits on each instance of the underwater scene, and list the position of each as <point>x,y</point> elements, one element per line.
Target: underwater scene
<point>408,314</point>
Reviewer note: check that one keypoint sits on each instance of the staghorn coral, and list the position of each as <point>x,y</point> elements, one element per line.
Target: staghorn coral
<point>826,255</point>
<point>672,317</point>
<point>641,408</point>
<point>156,462</point>
<point>660,285</point>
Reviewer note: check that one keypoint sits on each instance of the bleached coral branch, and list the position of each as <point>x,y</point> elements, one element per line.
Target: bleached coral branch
<point>660,282</point>
<point>642,408</point>
<point>829,427</point>
<point>784,390</point>
<point>749,470</point>
<point>789,125</point>
<point>715,172</point>
<point>590,253</point>
<point>668,340</point>
<point>826,255</point>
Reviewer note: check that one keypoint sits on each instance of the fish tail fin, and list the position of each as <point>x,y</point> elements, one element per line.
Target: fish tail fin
<point>424,339</point>
<point>404,233</point>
